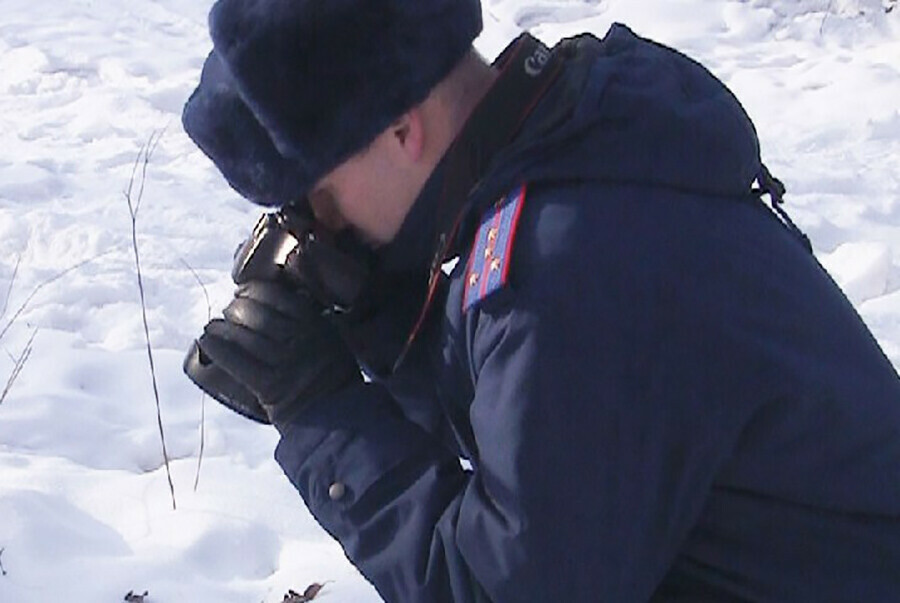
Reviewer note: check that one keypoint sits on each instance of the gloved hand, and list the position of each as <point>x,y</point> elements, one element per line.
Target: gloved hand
<point>271,355</point>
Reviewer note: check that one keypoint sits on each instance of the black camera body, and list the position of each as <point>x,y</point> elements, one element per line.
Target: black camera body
<point>289,244</point>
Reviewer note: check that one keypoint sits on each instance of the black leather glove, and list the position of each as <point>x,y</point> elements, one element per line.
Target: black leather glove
<point>271,355</point>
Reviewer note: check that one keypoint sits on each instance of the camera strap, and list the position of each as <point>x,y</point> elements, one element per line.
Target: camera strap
<point>528,69</point>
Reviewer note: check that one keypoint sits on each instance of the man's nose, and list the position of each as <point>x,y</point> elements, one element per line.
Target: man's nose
<point>326,211</point>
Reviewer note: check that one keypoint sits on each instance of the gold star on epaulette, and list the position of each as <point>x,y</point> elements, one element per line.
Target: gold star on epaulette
<point>495,264</point>
<point>492,234</point>
<point>473,279</point>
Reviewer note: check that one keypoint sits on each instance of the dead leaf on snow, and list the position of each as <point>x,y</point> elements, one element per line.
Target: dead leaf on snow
<point>308,595</point>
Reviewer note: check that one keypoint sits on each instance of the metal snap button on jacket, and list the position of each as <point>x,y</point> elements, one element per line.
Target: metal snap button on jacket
<point>336,491</point>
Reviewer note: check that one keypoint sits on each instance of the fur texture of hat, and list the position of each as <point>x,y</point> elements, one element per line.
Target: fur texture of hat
<point>312,82</point>
<point>221,124</point>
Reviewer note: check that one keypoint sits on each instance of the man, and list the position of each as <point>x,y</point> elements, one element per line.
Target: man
<point>660,393</point>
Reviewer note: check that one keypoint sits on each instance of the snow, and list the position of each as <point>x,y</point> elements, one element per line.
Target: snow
<point>85,511</point>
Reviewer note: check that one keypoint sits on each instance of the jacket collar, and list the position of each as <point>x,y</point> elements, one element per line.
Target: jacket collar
<point>527,70</point>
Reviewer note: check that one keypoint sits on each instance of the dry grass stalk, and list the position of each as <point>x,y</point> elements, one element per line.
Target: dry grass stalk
<point>9,289</point>
<point>18,365</point>
<point>202,394</point>
<point>20,360</point>
<point>40,286</point>
<point>134,205</point>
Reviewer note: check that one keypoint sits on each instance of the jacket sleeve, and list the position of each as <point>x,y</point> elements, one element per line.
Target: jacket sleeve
<point>386,490</point>
<point>607,397</point>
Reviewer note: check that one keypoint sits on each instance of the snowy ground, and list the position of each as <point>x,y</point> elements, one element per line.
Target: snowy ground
<point>85,513</point>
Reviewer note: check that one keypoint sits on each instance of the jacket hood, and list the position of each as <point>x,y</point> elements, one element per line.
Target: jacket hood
<point>629,110</point>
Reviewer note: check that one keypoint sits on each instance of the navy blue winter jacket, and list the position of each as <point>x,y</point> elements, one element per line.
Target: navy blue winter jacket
<point>669,399</point>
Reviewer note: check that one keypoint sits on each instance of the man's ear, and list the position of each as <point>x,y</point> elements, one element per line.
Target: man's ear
<point>408,134</point>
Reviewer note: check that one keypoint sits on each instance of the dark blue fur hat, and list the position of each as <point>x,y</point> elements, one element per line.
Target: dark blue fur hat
<point>295,87</point>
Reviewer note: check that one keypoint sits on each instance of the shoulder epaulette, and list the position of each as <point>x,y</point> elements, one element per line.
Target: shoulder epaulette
<point>488,267</point>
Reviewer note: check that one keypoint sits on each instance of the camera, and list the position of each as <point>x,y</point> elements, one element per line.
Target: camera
<point>334,269</point>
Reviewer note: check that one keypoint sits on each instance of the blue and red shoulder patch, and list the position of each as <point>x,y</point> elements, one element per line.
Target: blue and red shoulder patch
<point>488,267</point>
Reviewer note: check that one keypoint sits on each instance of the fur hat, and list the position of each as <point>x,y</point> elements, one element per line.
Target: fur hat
<point>219,122</point>
<point>295,87</point>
